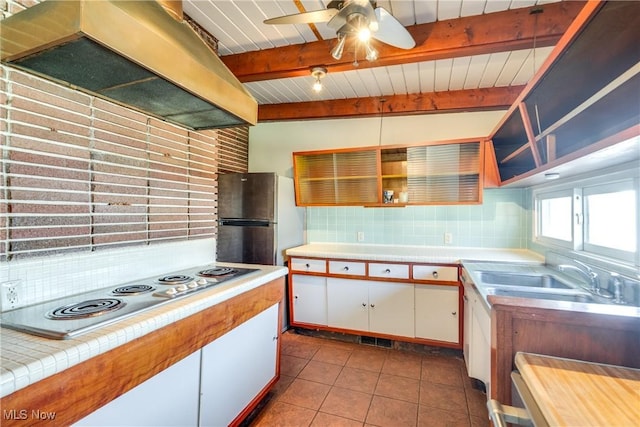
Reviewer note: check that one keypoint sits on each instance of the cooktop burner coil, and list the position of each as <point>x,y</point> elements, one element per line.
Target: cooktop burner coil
<point>217,271</point>
<point>175,279</point>
<point>132,290</point>
<point>84,309</point>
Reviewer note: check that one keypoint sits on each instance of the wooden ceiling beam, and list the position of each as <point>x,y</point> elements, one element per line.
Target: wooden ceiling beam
<point>473,35</point>
<point>487,99</point>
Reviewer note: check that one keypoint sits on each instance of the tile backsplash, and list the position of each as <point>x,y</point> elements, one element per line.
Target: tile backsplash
<point>500,222</point>
<point>45,278</point>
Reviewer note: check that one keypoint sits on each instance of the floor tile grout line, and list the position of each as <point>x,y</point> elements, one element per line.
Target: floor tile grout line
<point>321,344</point>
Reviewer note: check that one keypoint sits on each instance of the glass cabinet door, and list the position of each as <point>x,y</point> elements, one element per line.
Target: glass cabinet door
<point>446,173</point>
<point>337,178</point>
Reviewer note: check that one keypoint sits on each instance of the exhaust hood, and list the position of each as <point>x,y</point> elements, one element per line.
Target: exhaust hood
<point>134,53</point>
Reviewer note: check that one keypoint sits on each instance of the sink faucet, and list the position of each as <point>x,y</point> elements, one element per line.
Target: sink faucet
<point>588,273</point>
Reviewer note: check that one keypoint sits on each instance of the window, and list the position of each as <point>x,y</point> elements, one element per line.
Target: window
<point>556,211</point>
<point>611,219</point>
<point>598,216</point>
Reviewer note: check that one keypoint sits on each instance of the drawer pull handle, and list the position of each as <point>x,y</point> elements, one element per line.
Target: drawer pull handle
<point>435,274</point>
<point>296,297</point>
<point>364,304</point>
<point>453,313</point>
<point>346,268</point>
<point>373,305</point>
<point>307,265</point>
<point>387,271</point>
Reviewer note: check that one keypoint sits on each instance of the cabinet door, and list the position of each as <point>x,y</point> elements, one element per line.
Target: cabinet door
<point>336,177</point>
<point>391,308</point>
<point>348,303</point>
<point>174,393</point>
<point>236,367</point>
<point>467,327</point>
<point>437,312</point>
<point>309,299</point>
<point>480,345</point>
<point>444,173</point>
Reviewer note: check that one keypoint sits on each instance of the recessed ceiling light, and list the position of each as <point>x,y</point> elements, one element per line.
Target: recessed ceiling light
<point>551,176</point>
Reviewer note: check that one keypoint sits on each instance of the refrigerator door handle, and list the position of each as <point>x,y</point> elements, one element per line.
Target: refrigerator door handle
<point>245,222</point>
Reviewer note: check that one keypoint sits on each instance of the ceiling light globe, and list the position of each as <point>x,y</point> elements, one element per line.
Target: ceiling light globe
<point>364,34</point>
<point>317,86</point>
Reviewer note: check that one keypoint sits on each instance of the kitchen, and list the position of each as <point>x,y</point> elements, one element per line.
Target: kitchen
<point>503,220</point>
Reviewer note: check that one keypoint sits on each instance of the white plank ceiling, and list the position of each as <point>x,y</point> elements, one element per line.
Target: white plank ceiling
<point>238,26</point>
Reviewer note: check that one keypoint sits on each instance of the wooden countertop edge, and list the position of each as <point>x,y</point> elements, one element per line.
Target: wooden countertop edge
<point>78,391</point>
<point>550,378</point>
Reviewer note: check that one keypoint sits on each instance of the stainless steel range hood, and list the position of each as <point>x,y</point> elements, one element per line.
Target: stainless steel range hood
<point>134,53</point>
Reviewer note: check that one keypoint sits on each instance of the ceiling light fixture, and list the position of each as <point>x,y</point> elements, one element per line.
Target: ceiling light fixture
<point>336,52</point>
<point>318,73</point>
<point>551,175</point>
<point>360,27</point>
<point>372,53</point>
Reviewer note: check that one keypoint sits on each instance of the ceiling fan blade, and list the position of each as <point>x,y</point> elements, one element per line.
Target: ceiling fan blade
<point>362,7</point>
<point>391,31</point>
<point>304,18</point>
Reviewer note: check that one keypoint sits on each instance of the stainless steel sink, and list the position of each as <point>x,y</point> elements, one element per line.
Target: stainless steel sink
<point>554,296</point>
<point>519,279</point>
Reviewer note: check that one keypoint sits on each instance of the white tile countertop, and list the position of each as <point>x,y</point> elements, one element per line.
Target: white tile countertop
<point>26,359</point>
<point>422,254</point>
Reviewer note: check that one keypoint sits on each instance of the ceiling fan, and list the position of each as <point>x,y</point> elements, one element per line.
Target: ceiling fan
<point>361,18</point>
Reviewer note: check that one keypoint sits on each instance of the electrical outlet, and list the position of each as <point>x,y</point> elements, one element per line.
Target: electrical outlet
<point>448,238</point>
<point>360,236</point>
<point>10,294</point>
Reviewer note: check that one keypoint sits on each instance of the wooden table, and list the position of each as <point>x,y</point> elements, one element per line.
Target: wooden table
<point>576,393</point>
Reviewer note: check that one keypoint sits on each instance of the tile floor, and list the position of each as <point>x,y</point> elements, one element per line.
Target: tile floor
<point>326,382</point>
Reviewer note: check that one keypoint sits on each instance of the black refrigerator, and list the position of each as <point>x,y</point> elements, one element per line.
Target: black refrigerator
<point>258,219</point>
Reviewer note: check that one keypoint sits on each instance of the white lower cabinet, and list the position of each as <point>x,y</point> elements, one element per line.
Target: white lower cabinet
<point>170,398</point>
<point>309,301</point>
<point>437,313</point>
<point>370,306</point>
<point>477,335</point>
<point>211,387</point>
<point>236,367</point>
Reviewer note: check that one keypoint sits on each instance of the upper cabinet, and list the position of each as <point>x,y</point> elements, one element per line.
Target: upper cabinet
<point>437,173</point>
<point>585,97</point>
<point>336,177</point>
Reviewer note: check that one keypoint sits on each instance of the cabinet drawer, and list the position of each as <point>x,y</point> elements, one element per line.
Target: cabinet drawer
<point>347,267</point>
<point>308,265</point>
<point>438,273</point>
<point>392,271</point>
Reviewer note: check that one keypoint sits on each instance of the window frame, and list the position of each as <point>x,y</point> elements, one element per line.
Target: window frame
<point>619,178</point>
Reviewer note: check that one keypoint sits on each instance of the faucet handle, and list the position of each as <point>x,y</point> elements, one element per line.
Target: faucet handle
<point>618,287</point>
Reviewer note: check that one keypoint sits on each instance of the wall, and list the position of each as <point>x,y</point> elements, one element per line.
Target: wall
<point>501,221</point>
<point>271,144</point>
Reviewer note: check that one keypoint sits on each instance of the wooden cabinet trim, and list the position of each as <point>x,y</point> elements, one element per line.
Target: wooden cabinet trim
<point>78,391</point>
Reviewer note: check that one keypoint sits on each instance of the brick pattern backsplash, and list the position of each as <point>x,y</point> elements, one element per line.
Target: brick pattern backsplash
<point>81,173</point>
<point>233,150</point>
